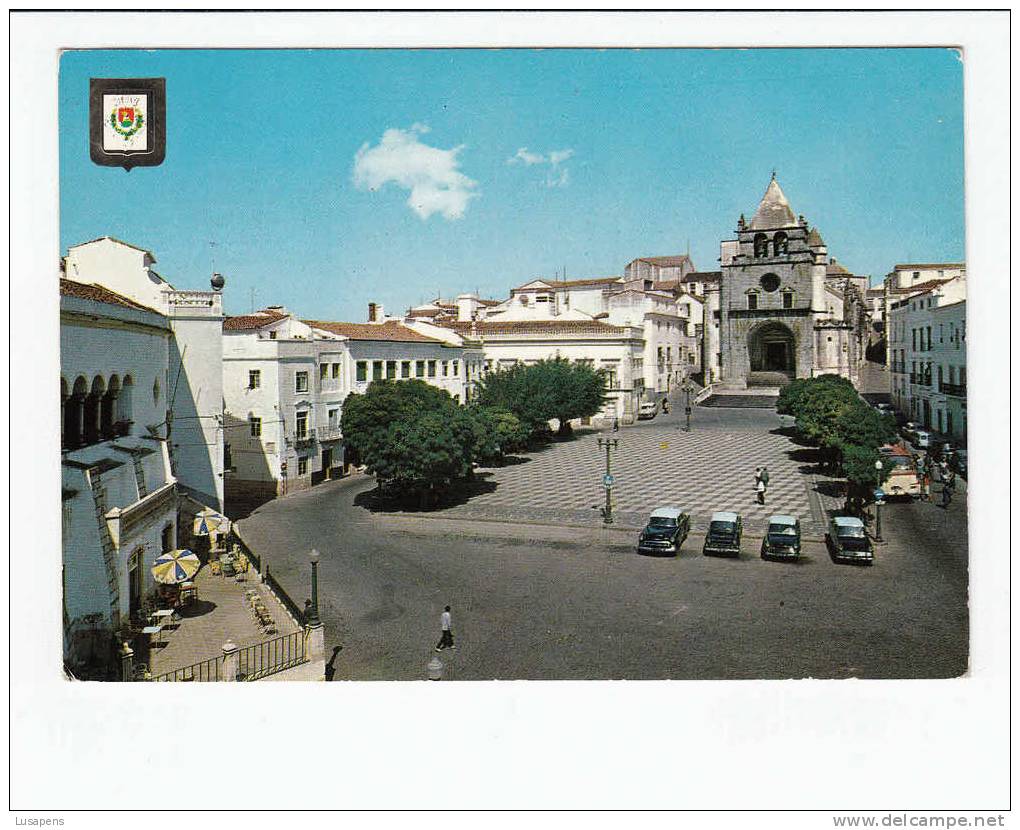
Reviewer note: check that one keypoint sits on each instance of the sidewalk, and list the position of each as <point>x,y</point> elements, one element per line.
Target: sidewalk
<point>219,614</point>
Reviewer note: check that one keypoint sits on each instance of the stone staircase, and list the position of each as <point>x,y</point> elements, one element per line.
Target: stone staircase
<point>771,380</point>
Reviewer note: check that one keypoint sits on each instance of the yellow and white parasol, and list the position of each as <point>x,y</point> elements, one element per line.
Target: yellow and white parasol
<point>175,567</point>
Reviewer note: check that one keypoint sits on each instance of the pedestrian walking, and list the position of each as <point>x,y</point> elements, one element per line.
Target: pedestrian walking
<point>665,406</point>
<point>446,640</point>
<point>765,476</point>
<point>757,477</point>
<point>761,491</point>
<point>948,485</point>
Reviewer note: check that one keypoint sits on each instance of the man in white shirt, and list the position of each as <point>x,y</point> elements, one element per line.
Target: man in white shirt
<point>446,640</point>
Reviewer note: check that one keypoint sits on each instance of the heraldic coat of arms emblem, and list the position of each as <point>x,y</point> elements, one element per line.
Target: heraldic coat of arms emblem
<point>127,121</point>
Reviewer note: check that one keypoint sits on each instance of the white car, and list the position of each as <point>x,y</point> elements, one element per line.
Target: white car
<point>649,409</point>
<point>921,439</point>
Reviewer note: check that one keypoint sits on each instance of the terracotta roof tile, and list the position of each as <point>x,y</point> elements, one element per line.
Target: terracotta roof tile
<point>392,330</point>
<point>250,322</point>
<point>920,288</point>
<point>923,266</point>
<point>100,294</point>
<point>118,241</point>
<point>666,261</point>
<point>835,269</point>
<point>483,327</point>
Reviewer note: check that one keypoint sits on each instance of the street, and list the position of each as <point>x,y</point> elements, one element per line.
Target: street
<point>565,600</point>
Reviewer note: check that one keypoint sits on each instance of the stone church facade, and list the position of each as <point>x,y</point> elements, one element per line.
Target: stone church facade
<point>780,316</point>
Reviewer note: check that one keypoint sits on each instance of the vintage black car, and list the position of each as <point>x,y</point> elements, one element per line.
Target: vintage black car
<point>782,538</point>
<point>849,541</point>
<point>666,530</point>
<point>723,537</point>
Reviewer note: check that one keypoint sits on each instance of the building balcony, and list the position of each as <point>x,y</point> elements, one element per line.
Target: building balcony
<point>957,390</point>
<point>302,439</point>
<point>329,433</point>
<point>920,379</point>
<point>209,302</point>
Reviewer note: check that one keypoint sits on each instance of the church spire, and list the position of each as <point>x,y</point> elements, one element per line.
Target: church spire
<point>773,210</point>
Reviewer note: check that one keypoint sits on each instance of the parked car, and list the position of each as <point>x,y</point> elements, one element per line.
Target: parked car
<point>649,409</point>
<point>916,435</point>
<point>921,439</point>
<point>782,538</point>
<point>902,481</point>
<point>849,542</point>
<point>723,535</point>
<point>665,532</point>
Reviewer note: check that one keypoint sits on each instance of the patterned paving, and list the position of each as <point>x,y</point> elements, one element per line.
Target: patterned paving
<point>701,471</point>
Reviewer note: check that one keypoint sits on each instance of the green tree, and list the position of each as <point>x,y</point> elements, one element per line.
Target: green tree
<point>497,432</point>
<point>366,418</point>
<point>862,426</point>
<point>861,475</point>
<point>411,436</point>
<point>423,454</point>
<point>550,389</point>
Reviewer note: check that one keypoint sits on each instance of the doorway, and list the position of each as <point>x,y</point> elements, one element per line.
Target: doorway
<point>135,582</point>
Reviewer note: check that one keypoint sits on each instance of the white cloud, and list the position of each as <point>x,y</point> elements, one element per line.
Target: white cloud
<point>558,179</point>
<point>557,176</point>
<point>556,156</point>
<point>432,175</point>
<point>522,155</point>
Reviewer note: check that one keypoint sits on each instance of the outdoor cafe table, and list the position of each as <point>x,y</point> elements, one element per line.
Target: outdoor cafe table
<point>154,629</point>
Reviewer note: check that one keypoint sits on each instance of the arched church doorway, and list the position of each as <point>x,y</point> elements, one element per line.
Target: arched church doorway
<point>772,349</point>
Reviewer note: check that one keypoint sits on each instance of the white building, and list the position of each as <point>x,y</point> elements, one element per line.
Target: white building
<point>927,337</point>
<point>617,350</point>
<point>193,388</point>
<point>118,493</point>
<point>912,277</point>
<point>141,400</point>
<point>283,386</point>
<point>285,381</point>
<point>612,306</point>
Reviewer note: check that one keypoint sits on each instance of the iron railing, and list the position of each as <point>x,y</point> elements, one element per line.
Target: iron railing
<point>263,659</point>
<point>958,390</point>
<point>329,433</point>
<point>204,672</point>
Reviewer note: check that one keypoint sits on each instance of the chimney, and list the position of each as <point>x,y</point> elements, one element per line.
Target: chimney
<point>371,312</point>
<point>467,307</point>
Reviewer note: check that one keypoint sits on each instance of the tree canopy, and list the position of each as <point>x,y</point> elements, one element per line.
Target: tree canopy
<point>416,439</point>
<point>410,435</point>
<point>544,391</point>
<point>831,414</point>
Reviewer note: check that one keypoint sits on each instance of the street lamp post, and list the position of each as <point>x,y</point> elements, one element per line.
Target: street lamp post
<point>687,405</point>
<point>878,501</point>
<point>609,444</point>
<point>312,618</point>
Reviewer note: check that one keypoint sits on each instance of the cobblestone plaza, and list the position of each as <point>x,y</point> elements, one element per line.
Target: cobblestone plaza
<point>656,463</point>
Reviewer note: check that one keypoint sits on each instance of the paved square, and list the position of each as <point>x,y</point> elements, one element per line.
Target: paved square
<point>710,468</point>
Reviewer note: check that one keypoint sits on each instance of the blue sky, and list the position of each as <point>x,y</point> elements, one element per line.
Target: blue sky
<point>331,178</point>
